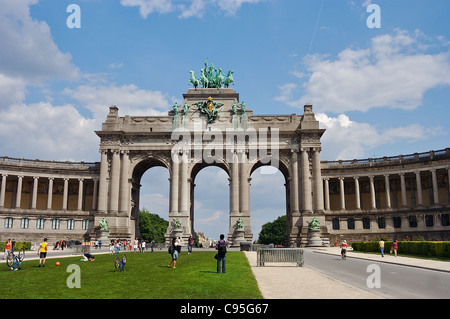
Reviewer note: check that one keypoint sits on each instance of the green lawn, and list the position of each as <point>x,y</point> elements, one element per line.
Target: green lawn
<point>147,276</point>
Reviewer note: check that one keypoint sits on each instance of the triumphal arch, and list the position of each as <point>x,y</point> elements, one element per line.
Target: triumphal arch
<point>212,126</point>
<point>395,197</point>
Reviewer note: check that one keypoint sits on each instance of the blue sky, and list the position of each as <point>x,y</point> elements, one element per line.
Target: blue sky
<point>378,91</point>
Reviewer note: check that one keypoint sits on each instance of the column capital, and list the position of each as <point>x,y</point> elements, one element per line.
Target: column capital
<point>356,177</point>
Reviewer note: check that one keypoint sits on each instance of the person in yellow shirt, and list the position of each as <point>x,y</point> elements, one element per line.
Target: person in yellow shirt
<point>42,252</point>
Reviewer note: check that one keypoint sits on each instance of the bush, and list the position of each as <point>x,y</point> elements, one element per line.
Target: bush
<point>422,248</point>
<point>19,245</point>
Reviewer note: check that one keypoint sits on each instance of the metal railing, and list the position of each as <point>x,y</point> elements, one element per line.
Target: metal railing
<point>267,255</point>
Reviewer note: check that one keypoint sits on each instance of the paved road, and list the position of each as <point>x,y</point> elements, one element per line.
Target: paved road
<point>395,281</point>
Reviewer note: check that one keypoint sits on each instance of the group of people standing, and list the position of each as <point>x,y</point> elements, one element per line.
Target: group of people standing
<point>221,247</point>
<point>136,245</point>
<point>394,248</point>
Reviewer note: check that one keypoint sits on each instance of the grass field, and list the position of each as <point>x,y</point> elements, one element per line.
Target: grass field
<point>147,276</point>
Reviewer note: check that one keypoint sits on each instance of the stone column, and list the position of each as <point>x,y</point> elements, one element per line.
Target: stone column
<point>342,192</point>
<point>174,185</point>
<point>327,194</point>
<point>80,194</point>
<point>448,176</point>
<point>244,187</point>
<point>50,193</point>
<point>388,191</point>
<point>114,182</point>
<point>419,189</point>
<point>403,189</point>
<point>357,194</point>
<point>183,204</point>
<point>294,183</point>
<point>65,193</point>
<point>103,183</point>
<point>124,184</point>
<point>435,187</point>
<point>234,185</point>
<point>3,191</point>
<point>19,191</point>
<point>34,196</point>
<point>95,195</point>
<point>306,182</point>
<point>372,193</point>
<point>317,177</point>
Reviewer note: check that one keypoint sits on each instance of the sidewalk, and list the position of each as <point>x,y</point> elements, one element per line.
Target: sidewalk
<point>290,282</point>
<point>390,258</point>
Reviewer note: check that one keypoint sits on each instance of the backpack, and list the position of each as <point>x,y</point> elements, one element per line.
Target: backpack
<point>171,249</point>
<point>222,249</point>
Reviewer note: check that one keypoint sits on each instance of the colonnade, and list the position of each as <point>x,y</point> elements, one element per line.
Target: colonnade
<point>114,180</point>
<point>388,178</point>
<point>16,200</point>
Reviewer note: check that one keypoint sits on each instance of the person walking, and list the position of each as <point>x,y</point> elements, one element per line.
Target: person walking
<point>173,250</point>
<point>395,247</point>
<point>190,244</point>
<point>7,248</point>
<point>42,252</point>
<point>381,245</point>
<point>344,249</point>
<point>152,244</point>
<point>221,247</point>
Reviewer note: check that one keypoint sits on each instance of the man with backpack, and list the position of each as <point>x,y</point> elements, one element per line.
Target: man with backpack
<point>221,247</point>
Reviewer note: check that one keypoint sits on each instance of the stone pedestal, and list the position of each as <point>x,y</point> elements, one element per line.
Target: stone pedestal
<point>238,237</point>
<point>103,236</point>
<point>314,239</point>
<point>177,233</point>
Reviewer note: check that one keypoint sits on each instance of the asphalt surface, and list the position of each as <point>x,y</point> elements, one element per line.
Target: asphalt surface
<point>319,279</point>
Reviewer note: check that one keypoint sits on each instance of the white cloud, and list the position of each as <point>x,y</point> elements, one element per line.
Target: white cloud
<point>29,45</point>
<point>128,98</point>
<point>394,72</point>
<point>346,139</point>
<point>48,132</point>
<point>185,8</point>
<point>12,90</point>
<point>232,6</point>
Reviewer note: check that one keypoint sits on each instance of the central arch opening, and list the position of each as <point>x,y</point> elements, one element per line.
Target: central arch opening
<point>269,196</point>
<point>210,201</point>
<point>150,191</point>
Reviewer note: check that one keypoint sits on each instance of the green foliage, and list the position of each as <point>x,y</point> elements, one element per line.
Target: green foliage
<point>419,248</point>
<point>146,277</point>
<point>273,232</point>
<point>152,226</point>
<point>19,245</point>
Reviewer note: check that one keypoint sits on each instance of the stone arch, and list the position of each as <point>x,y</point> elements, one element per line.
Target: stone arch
<point>284,168</point>
<point>195,169</point>
<point>137,169</point>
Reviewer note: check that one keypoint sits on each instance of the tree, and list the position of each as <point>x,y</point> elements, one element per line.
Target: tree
<point>152,226</point>
<point>273,232</point>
